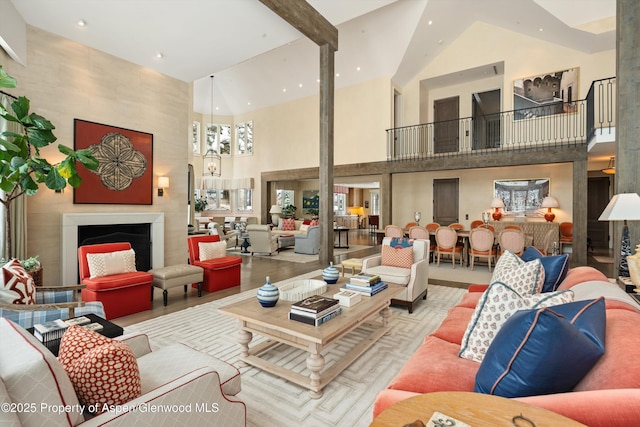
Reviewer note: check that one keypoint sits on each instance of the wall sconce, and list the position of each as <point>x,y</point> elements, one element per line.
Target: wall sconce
<point>163,182</point>
<point>497,203</point>
<point>549,202</point>
<point>611,167</point>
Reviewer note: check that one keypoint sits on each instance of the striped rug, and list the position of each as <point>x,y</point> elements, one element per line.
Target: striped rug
<point>271,401</point>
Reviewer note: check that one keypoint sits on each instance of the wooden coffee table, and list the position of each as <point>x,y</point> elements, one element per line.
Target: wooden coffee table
<point>274,324</point>
<point>475,409</point>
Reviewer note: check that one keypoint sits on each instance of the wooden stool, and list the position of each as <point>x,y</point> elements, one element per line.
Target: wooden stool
<point>176,275</point>
<point>353,263</point>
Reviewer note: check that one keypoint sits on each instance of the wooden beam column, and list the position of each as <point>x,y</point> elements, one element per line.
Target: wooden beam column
<point>579,246</point>
<point>327,65</point>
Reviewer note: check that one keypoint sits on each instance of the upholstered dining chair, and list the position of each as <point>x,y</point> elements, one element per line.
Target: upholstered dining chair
<point>512,227</point>
<point>481,245</point>
<point>547,243</point>
<point>393,231</point>
<point>566,234</point>
<point>476,223</point>
<point>456,226</point>
<point>447,244</point>
<point>418,232</point>
<point>512,240</point>
<point>409,225</point>
<point>431,228</point>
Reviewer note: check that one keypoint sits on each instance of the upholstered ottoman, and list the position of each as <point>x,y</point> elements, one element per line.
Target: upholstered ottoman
<point>176,275</point>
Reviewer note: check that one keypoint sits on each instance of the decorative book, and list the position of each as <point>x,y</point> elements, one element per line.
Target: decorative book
<point>48,331</point>
<point>347,298</point>
<point>365,279</point>
<point>315,322</point>
<point>315,303</point>
<point>77,321</point>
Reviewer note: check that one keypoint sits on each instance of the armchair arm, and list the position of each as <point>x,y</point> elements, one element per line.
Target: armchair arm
<point>371,261</point>
<point>193,399</point>
<point>139,343</point>
<point>419,278</point>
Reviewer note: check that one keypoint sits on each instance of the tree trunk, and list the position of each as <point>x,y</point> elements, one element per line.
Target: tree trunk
<point>7,229</point>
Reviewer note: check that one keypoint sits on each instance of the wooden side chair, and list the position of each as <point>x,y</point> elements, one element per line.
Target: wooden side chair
<point>447,244</point>
<point>481,245</point>
<point>393,231</point>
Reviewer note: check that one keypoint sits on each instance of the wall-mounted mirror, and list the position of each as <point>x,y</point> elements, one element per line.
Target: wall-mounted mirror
<point>521,197</point>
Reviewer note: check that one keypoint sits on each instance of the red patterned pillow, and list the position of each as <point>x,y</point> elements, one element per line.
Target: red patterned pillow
<point>17,285</point>
<point>288,225</point>
<point>397,257</point>
<point>104,372</point>
<point>314,222</point>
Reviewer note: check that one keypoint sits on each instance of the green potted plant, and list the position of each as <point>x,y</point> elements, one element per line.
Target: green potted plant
<point>22,169</point>
<point>31,266</point>
<point>200,204</point>
<point>289,211</point>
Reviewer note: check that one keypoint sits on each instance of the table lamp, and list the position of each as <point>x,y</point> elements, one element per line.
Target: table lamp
<point>497,203</point>
<point>623,207</point>
<point>549,202</point>
<point>275,212</point>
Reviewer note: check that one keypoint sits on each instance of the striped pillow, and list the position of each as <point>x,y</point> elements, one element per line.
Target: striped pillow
<point>397,257</point>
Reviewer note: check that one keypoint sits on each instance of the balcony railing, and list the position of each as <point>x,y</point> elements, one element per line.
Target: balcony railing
<point>550,125</point>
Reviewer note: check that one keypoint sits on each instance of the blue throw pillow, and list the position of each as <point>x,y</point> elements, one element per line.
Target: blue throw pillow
<point>543,351</point>
<point>400,242</point>
<point>555,267</point>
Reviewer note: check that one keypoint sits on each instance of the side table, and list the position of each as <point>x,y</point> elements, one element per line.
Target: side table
<point>475,409</point>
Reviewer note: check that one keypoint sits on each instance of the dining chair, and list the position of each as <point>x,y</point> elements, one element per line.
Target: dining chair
<point>393,231</point>
<point>432,226</point>
<point>547,243</point>
<point>418,232</point>
<point>476,223</point>
<point>512,227</point>
<point>566,234</point>
<point>456,226</point>
<point>409,225</point>
<point>511,240</point>
<point>447,244</point>
<point>481,245</point>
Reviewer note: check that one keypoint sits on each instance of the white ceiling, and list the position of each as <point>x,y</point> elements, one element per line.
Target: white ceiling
<point>259,60</point>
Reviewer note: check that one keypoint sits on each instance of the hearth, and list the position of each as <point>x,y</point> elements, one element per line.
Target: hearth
<point>138,235</point>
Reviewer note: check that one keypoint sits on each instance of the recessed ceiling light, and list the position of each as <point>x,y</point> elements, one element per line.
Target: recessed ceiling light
<point>337,74</point>
<point>249,103</point>
<point>82,23</point>
<point>540,29</point>
<point>317,80</point>
<point>430,22</point>
<point>440,41</point>
<point>357,68</point>
<point>299,84</point>
<point>284,90</point>
<point>159,55</point>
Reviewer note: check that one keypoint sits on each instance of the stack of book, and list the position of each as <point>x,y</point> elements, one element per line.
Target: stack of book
<point>365,284</point>
<point>315,310</point>
<point>50,331</point>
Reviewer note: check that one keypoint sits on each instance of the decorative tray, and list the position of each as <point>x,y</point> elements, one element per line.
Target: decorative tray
<point>301,289</point>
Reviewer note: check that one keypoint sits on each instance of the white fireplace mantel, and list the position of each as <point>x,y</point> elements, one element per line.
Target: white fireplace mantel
<point>71,222</point>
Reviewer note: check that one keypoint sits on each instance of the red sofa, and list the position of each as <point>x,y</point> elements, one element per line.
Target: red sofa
<point>609,395</point>
<point>219,273</point>
<point>121,294</point>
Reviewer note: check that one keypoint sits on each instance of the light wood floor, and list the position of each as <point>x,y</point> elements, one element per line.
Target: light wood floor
<point>255,269</point>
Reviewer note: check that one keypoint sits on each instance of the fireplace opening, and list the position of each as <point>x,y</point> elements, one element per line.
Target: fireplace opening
<point>138,235</point>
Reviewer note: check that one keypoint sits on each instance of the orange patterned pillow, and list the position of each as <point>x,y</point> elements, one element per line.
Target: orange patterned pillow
<point>314,222</point>
<point>288,225</point>
<point>397,257</point>
<point>104,372</point>
<point>16,285</point>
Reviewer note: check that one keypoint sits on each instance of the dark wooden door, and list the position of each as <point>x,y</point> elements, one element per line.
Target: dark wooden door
<point>597,199</point>
<point>446,115</point>
<point>445,201</point>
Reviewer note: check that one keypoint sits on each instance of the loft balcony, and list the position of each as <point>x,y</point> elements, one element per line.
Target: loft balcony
<point>587,122</point>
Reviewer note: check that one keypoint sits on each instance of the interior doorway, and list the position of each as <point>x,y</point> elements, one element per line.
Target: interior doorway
<point>445,201</point>
<point>485,114</point>
<point>446,116</point>
<point>597,200</point>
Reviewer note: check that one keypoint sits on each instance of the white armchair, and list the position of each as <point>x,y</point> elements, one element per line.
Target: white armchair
<point>178,376</point>
<point>262,241</point>
<point>414,279</point>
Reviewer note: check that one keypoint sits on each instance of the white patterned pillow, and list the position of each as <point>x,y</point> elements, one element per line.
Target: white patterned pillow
<point>525,277</point>
<point>16,285</point>
<point>495,306</point>
<point>110,263</point>
<point>212,250</point>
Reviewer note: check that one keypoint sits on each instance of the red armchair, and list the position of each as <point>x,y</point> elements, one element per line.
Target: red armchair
<point>219,273</point>
<point>122,293</point>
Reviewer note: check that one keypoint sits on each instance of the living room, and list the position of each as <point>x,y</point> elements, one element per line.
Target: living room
<point>66,80</point>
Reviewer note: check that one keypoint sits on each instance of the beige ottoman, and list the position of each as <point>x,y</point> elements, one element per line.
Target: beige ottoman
<point>176,275</point>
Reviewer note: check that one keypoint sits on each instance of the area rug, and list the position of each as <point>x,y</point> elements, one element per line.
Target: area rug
<point>289,254</point>
<point>271,401</point>
<point>603,259</point>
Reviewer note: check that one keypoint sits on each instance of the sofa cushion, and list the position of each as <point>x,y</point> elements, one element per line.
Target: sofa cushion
<point>555,267</point>
<point>31,374</point>
<point>288,224</point>
<point>110,263</point>
<point>580,274</point>
<point>397,257</point>
<point>494,308</point>
<point>390,274</point>
<point>118,281</point>
<point>17,285</point>
<point>104,372</point>
<point>526,278</point>
<point>212,250</point>
<point>543,351</point>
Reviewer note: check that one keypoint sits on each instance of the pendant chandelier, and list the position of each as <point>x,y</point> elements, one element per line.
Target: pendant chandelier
<point>212,162</point>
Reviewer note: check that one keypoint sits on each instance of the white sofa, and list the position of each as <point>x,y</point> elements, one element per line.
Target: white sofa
<point>414,279</point>
<point>34,386</point>
<point>278,231</point>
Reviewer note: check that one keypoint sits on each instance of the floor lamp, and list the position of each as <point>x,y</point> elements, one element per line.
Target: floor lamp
<point>623,207</point>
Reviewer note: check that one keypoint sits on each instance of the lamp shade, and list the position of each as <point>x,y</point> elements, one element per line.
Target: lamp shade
<point>163,182</point>
<point>275,209</point>
<point>497,203</point>
<point>623,206</point>
<point>550,202</point>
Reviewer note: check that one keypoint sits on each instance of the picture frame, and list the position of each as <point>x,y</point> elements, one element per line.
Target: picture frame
<point>522,197</point>
<point>125,180</point>
<point>546,94</point>
<point>195,141</point>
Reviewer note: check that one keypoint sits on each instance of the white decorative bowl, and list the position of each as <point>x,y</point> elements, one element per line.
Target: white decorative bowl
<point>301,289</point>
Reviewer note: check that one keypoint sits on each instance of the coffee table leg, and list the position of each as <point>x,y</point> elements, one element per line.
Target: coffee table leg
<point>244,338</point>
<point>386,314</point>
<point>315,363</point>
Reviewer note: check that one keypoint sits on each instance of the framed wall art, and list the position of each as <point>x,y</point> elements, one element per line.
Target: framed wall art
<point>522,197</point>
<point>125,172</point>
<point>195,139</point>
<point>546,94</point>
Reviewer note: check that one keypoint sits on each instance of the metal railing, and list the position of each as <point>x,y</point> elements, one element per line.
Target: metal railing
<point>550,125</point>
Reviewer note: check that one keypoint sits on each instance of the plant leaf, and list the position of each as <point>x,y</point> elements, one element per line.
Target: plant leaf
<point>54,181</point>
<point>6,80</point>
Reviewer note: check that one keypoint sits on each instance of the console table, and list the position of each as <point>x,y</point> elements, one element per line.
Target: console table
<point>536,229</point>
